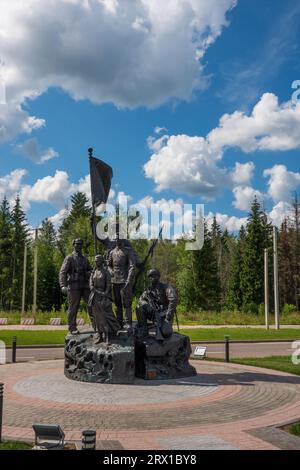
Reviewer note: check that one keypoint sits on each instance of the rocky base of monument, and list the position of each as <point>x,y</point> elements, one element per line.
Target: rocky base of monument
<point>168,359</point>
<point>126,357</point>
<point>112,362</point>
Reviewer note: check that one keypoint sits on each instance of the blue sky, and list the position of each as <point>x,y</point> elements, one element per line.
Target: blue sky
<point>255,51</point>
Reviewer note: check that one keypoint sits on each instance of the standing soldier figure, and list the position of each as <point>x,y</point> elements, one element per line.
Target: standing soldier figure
<point>74,281</point>
<point>122,263</point>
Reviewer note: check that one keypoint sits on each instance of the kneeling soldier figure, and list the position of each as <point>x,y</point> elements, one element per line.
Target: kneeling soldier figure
<point>157,304</point>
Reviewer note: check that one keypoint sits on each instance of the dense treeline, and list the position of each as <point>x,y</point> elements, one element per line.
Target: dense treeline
<point>228,273</point>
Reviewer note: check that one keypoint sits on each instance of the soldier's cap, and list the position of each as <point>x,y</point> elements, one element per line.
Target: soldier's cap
<point>153,273</point>
<point>77,241</point>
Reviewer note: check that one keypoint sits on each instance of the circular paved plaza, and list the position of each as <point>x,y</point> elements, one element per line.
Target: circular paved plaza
<point>227,406</point>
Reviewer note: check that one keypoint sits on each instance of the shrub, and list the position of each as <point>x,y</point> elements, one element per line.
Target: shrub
<point>251,308</point>
<point>289,308</point>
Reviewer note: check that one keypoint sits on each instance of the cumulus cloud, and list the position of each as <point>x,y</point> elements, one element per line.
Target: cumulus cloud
<point>270,126</point>
<point>231,223</point>
<point>280,211</point>
<point>10,184</point>
<point>14,121</point>
<point>243,173</point>
<point>192,165</point>
<point>187,165</point>
<point>281,182</point>
<point>244,196</point>
<point>31,149</point>
<point>129,52</point>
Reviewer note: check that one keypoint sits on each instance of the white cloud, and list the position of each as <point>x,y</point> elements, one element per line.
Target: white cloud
<point>59,217</point>
<point>243,173</point>
<point>10,184</point>
<point>14,121</point>
<point>244,196</point>
<point>186,164</point>
<point>281,182</point>
<point>271,126</point>
<point>231,223</point>
<point>31,149</point>
<point>129,52</point>
<point>191,165</point>
<point>280,212</point>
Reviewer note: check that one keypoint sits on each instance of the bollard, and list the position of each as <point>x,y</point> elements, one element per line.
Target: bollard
<point>88,440</point>
<point>227,358</point>
<point>14,349</point>
<point>1,409</point>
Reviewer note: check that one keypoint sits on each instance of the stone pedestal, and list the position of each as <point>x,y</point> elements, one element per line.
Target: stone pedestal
<point>127,357</point>
<point>168,359</point>
<point>112,362</point>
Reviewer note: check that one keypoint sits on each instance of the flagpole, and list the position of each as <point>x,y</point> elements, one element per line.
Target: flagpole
<point>90,151</point>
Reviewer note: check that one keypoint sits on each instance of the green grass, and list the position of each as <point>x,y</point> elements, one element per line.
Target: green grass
<point>217,334</point>
<point>282,363</point>
<point>15,445</point>
<point>27,337</point>
<point>32,338</point>
<point>295,429</point>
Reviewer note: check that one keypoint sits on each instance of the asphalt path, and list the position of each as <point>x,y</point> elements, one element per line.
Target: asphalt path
<point>214,350</point>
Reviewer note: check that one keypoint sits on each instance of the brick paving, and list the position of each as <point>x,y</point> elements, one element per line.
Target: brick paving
<point>225,406</point>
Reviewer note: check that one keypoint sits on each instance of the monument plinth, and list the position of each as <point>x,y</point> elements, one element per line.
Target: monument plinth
<point>124,358</point>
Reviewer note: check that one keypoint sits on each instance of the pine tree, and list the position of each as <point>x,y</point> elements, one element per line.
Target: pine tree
<point>234,298</point>
<point>198,277</point>
<point>287,286</point>
<point>19,238</point>
<point>48,291</point>
<point>258,238</point>
<point>5,254</point>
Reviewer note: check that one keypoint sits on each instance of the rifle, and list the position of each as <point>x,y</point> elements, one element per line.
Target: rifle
<point>144,262</point>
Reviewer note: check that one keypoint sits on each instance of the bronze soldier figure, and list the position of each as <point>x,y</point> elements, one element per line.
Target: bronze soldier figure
<point>74,281</point>
<point>122,265</point>
<point>157,304</point>
<point>100,302</point>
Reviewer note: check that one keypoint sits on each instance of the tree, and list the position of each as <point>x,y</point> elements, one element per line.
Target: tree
<point>19,238</point>
<point>48,290</point>
<point>5,254</point>
<point>258,237</point>
<point>234,298</point>
<point>198,277</point>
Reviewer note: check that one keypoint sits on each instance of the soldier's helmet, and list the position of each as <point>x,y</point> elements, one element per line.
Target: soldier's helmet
<point>77,241</point>
<point>153,273</point>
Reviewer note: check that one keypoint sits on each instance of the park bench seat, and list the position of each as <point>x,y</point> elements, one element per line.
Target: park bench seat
<point>48,436</point>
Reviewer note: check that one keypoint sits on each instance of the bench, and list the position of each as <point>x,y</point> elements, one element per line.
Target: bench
<point>48,436</point>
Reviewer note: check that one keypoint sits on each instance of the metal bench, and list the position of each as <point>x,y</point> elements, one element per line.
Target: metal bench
<point>48,436</point>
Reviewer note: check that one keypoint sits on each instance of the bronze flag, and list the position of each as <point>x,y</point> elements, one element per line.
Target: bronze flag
<point>101,176</point>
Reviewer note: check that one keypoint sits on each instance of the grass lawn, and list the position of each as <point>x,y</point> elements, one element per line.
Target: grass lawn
<point>15,445</point>
<point>282,363</point>
<point>237,334</point>
<point>25,338</point>
<point>295,429</point>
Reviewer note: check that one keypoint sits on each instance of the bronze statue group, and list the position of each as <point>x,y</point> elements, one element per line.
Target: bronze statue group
<point>112,281</point>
